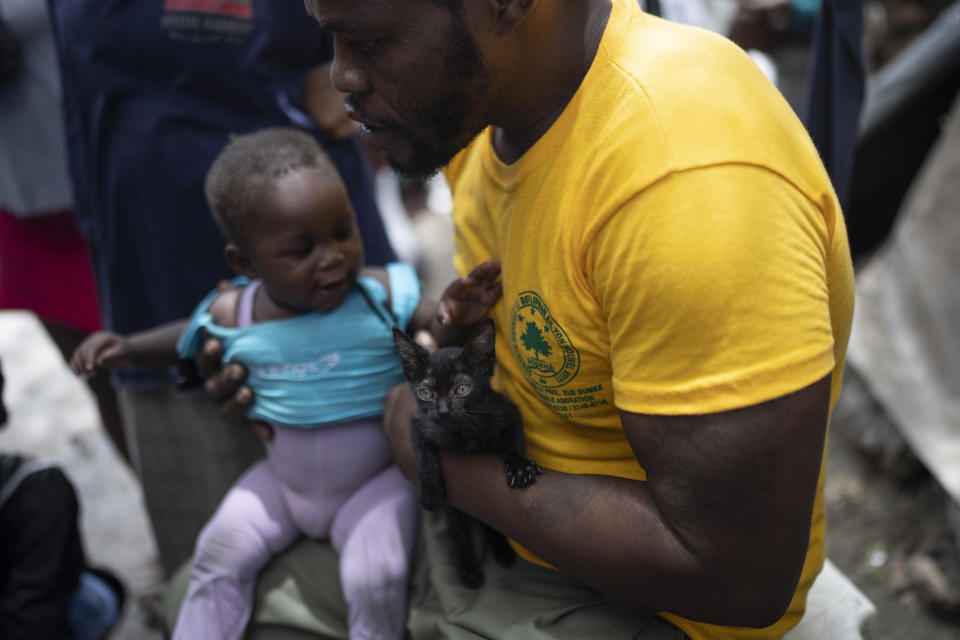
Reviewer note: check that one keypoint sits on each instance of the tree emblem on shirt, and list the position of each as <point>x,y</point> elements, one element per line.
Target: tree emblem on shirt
<point>533,340</point>
<point>540,344</point>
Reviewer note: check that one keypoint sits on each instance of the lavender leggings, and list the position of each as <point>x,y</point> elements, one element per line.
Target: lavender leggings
<point>335,482</point>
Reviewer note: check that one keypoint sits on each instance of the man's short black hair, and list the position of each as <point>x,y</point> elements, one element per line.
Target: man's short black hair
<point>246,168</point>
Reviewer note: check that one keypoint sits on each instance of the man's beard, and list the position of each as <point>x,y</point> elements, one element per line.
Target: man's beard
<point>450,121</point>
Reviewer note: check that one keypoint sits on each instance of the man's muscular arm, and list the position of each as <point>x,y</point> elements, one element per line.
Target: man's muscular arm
<point>718,532</point>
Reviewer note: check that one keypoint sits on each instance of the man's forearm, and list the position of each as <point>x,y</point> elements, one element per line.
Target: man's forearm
<point>609,533</point>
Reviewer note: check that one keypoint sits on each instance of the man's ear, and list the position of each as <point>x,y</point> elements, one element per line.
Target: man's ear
<point>510,13</point>
<point>239,261</point>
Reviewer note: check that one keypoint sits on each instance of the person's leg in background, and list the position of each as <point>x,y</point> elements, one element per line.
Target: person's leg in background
<point>187,455</point>
<point>46,589</point>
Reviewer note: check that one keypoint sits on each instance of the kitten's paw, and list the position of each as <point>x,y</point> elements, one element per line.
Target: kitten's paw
<point>470,578</point>
<point>520,472</point>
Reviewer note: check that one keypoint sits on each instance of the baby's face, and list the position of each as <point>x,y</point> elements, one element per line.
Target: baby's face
<point>304,242</point>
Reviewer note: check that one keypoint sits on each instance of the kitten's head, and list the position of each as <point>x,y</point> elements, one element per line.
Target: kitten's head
<point>447,381</point>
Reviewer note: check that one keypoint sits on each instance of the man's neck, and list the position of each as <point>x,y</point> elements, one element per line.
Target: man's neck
<point>553,77</point>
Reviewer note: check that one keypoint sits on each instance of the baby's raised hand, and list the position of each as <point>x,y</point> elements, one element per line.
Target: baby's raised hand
<point>100,351</point>
<point>468,300</point>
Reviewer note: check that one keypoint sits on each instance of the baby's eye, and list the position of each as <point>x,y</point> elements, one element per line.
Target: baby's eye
<point>425,394</point>
<point>297,252</point>
<point>462,389</point>
<point>342,235</point>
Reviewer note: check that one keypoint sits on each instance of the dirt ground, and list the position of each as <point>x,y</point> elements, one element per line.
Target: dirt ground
<point>888,524</point>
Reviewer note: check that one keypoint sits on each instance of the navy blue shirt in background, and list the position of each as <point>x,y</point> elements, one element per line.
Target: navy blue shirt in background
<point>152,90</point>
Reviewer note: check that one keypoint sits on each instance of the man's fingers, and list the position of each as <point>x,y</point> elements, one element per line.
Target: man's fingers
<point>209,357</point>
<point>235,408</point>
<point>263,430</point>
<point>226,382</point>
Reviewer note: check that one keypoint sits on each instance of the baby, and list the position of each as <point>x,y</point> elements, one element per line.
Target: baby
<point>314,328</point>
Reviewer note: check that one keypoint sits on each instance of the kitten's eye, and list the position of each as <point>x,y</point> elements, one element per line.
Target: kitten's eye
<point>462,389</point>
<point>425,394</point>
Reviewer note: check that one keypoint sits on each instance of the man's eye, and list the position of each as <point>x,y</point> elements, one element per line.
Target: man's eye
<point>425,394</point>
<point>367,46</point>
<point>462,389</point>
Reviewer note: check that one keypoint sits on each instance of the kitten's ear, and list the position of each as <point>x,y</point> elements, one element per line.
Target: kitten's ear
<point>479,350</point>
<point>413,357</point>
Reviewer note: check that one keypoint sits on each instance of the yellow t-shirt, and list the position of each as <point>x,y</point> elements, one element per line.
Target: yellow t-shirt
<point>671,245</point>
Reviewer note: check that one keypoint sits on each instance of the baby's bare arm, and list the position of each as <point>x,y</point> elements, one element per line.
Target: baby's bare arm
<point>106,351</point>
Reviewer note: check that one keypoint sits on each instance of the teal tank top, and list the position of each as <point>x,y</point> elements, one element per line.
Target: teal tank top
<point>323,367</point>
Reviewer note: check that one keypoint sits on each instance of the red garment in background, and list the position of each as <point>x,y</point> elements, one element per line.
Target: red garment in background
<point>45,268</point>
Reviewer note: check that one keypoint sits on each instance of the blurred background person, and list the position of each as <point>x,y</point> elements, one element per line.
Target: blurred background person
<point>152,91</point>
<point>44,266</point>
<point>47,591</point>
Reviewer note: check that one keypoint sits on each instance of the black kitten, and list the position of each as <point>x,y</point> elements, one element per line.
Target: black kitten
<point>457,410</point>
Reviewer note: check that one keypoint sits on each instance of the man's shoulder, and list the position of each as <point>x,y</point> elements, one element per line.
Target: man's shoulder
<point>690,98</point>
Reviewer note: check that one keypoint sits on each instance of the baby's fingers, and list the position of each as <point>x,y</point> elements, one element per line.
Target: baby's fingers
<point>486,271</point>
<point>110,357</point>
<point>76,363</point>
<point>495,292</point>
<point>83,361</point>
<point>443,312</point>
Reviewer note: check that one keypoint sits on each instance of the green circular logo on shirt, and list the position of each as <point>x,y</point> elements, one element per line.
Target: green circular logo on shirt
<point>541,345</point>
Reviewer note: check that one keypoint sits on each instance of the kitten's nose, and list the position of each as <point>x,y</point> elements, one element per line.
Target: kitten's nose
<point>442,408</point>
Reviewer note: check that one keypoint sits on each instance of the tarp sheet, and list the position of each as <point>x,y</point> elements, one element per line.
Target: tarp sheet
<point>906,329</point>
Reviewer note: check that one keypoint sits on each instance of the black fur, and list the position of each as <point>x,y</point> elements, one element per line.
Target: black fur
<point>458,411</point>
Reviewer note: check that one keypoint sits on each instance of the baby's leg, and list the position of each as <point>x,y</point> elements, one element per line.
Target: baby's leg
<point>251,525</point>
<point>375,533</point>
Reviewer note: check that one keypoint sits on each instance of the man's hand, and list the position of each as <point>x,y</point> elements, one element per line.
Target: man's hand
<point>468,300</point>
<point>398,408</point>
<point>100,351</point>
<point>224,383</point>
<point>326,105</point>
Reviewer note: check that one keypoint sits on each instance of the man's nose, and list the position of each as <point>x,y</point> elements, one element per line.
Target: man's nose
<point>345,74</point>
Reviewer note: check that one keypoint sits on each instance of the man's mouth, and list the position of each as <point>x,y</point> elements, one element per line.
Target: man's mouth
<point>365,120</point>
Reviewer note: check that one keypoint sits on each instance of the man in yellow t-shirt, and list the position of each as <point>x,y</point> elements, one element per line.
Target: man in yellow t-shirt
<point>677,297</point>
